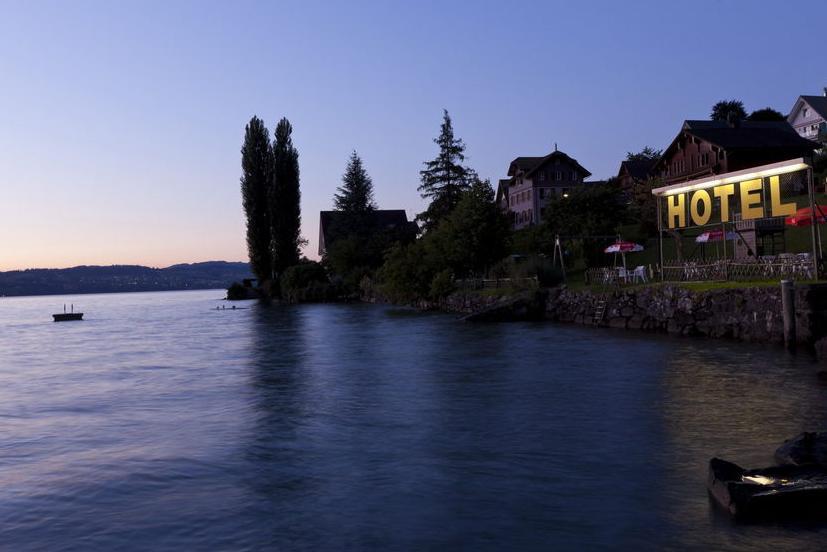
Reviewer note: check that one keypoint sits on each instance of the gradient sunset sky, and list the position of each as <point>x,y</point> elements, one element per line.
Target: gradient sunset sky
<point>121,122</point>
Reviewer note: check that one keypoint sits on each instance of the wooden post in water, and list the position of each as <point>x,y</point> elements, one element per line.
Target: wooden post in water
<point>788,308</point>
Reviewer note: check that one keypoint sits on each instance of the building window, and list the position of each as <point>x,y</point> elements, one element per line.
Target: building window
<point>805,111</point>
<point>558,176</point>
<point>542,176</point>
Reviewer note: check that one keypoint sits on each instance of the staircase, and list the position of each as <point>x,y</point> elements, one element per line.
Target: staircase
<point>599,311</point>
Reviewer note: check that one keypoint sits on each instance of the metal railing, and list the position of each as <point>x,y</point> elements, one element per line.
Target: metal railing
<point>799,266</point>
<point>495,283</point>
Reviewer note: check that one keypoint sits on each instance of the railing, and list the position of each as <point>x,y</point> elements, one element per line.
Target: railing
<point>799,266</point>
<point>617,276</point>
<point>494,283</point>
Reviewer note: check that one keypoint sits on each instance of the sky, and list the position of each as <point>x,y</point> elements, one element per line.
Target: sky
<point>121,122</point>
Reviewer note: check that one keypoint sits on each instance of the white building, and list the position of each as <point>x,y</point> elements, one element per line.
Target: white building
<point>809,116</point>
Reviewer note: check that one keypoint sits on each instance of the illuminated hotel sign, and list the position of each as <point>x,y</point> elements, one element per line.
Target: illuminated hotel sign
<point>754,193</point>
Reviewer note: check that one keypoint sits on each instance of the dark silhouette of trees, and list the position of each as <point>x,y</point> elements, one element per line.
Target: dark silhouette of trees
<point>728,110</point>
<point>444,179</point>
<point>256,168</point>
<point>766,114</point>
<point>646,154</point>
<point>285,199</point>
<point>354,200</point>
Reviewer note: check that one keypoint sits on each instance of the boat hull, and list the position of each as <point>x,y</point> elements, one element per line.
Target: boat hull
<point>67,316</point>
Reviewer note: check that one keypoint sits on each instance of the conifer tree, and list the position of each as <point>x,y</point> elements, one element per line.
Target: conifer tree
<point>256,167</point>
<point>285,200</point>
<point>444,179</point>
<point>355,195</point>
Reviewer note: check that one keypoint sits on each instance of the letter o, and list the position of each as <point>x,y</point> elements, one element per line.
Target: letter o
<point>700,196</point>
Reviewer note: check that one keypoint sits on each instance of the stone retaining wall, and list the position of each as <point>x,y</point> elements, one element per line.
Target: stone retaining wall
<point>747,314</point>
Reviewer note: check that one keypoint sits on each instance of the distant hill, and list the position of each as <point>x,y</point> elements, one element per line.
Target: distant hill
<point>121,278</point>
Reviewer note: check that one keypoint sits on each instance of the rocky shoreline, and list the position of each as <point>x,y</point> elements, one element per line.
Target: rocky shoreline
<point>750,314</point>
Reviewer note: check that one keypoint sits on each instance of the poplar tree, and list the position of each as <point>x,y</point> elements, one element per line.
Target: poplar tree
<point>444,179</point>
<point>285,200</point>
<point>256,169</point>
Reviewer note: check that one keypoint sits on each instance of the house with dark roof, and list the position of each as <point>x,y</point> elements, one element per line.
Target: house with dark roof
<point>533,181</point>
<point>632,172</point>
<point>381,220</point>
<point>704,148</point>
<point>809,116</point>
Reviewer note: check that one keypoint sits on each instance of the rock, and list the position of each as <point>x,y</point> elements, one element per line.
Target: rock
<point>805,448</point>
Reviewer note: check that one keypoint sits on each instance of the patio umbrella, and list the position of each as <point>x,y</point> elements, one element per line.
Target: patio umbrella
<point>804,216</point>
<point>623,247</point>
<point>715,235</point>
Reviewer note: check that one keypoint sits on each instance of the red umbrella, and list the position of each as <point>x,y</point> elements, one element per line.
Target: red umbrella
<point>623,247</point>
<point>804,216</point>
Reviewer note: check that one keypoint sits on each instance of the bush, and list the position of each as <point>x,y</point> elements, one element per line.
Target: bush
<point>442,284</point>
<point>236,292</point>
<point>306,282</point>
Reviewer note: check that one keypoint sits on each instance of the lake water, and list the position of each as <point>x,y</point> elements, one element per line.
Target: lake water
<point>160,423</point>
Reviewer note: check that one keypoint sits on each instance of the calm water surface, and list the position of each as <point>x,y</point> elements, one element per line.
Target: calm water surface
<point>159,423</point>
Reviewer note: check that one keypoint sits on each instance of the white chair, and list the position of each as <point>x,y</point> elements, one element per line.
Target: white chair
<point>639,274</point>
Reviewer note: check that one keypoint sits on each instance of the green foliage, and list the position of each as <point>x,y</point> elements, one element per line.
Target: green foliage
<point>236,292</point>
<point>444,179</point>
<point>306,281</point>
<point>766,114</point>
<point>355,195</point>
<point>285,198</point>
<point>442,284</point>
<point>727,110</point>
<point>646,154</point>
<point>532,240</point>
<point>588,211</point>
<point>470,239</point>
<point>256,167</point>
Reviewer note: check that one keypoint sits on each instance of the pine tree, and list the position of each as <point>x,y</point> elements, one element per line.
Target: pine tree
<point>256,167</point>
<point>445,178</point>
<point>355,195</point>
<point>285,200</point>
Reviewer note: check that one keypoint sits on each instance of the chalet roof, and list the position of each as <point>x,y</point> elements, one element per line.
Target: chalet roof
<point>818,103</point>
<point>747,135</point>
<point>381,219</point>
<point>637,168</point>
<point>531,164</point>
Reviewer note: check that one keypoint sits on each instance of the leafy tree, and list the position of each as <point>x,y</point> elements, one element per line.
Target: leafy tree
<point>285,200</point>
<point>590,214</point>
<point>727,110</point>
<point>474,236</point>
<point>256,167</point>
<point>646,154</point>
<point>766,114</point>
<point>445,178</point>
<point>306,281</point>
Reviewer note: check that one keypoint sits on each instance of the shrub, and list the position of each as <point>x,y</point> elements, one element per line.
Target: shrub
<point>306,282</point>
<point>236,292</point>
<point>442,284</point>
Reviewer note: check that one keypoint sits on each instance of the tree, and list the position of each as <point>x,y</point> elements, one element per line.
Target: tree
<point>354,200</point>
<point>444,179</point>
<point>355,195</point>
<point>285,198</point>
<point>256,168</point>
<point>766,114</point>
<point>646,154</point>
<point>728,110</point>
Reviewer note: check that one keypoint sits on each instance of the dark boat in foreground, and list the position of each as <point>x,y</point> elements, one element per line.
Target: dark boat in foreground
<point>67,316</point>
<point>775,492</point>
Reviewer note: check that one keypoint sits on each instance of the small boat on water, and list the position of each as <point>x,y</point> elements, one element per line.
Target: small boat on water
<point>67,316</point>
<point>775,492</point>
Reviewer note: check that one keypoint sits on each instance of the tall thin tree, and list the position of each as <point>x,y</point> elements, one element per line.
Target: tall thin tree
<point>285,200</point>
<point>445,178</point>
<point>256,169</point>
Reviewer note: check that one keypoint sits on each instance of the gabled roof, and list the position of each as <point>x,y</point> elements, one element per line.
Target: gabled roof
<point>530,164</point>
<point>817,103</point>
<point>637,168</point>
<point>381,219</point>
<point>747,135</point>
